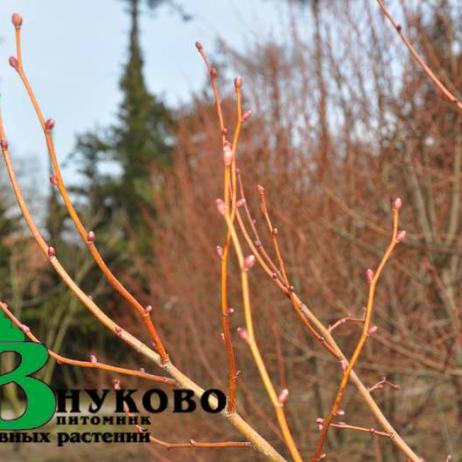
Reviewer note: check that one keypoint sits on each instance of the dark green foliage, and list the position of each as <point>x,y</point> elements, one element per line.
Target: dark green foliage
<point>134,151</point>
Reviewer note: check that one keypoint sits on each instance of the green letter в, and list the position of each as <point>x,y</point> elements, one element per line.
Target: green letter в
<point>40,399</point>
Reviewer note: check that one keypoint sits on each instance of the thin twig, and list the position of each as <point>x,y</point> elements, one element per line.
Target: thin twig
<point>373,278</point>
<point>88,237</point>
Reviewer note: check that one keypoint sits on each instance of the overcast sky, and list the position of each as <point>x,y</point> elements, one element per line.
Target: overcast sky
<point>74,51</point>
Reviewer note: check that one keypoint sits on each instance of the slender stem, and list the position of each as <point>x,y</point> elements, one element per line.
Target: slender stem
<point>430,74</point>
<point>278,406</point>
<point>273,233</point>
<point>361,342</point>
<point>191,443</point>
<point>372,431</point>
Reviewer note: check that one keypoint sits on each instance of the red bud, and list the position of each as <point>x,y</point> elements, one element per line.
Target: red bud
<point>260,189</point>
<point>213,72</point>
<point>219,250</point>
<point>397,203</point>
<point>25,328</point>
<point>249,261</point>
<point>240,202</point>
<point>148,309</point>
<point>53,180</point>
<point>13,62</point>
<point>49,124</point>
<point>51,251</point>
<point>220,206</point>
<point>401,236</point>
<point>228,155</point>
<point>91,236</point>
<point>372,330</point>
<point>242,332</point>
<point>16,19</point>
<point>246,116</point>
<point>4,144</point>
<point>369,275</point>
<point>199,46</point>
<point>93,359</point>
<point>283,395</point>
<point>238,82</point>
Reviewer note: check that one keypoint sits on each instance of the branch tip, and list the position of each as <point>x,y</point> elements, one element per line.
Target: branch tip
<point>369,275</point>
<point>16,20</point>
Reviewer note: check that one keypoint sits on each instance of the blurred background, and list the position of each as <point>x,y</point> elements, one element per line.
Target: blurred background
<point>342,122</point>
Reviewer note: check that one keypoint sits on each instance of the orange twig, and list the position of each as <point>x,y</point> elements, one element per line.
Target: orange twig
<point>249,335</point>
<point>373,279</point>
<point>229,157</point>
<point>443,89</point>
<point>274,233</point>
<point>86,236</point>
<point>345,426</point>
<point>189,445</point>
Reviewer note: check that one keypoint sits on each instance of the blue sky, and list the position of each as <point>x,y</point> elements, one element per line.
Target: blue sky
<point>74,51</point>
